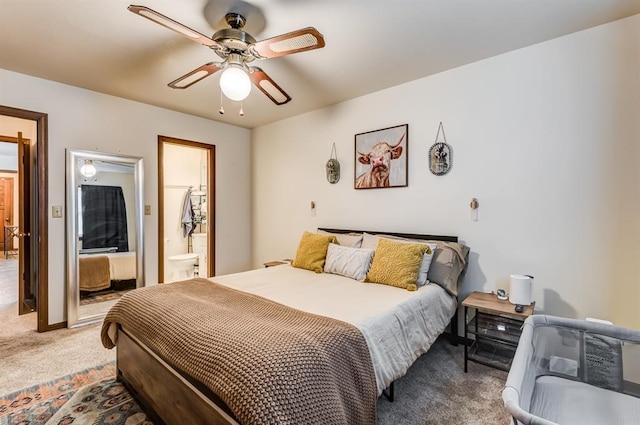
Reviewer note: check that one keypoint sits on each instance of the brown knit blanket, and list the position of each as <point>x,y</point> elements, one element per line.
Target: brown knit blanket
<point>271,364</point>
<point>93,273</point>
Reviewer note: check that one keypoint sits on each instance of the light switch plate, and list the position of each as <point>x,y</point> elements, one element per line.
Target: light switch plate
<point>56,211</point>
<point>147,210</point>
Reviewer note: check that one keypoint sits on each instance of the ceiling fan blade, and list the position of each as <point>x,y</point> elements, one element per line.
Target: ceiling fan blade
<point>269,87</point>
<point>167,22</point>
<point>294,42</point>
<point>196,75</point>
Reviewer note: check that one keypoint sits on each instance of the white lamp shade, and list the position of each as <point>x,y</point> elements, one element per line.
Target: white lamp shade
<point>88,169</point>
<point>235,83</point>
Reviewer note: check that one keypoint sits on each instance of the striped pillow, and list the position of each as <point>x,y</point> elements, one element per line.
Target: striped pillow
<point>347,261</point>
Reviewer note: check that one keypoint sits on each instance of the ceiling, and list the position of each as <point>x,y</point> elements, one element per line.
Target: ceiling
<point>370,45</point>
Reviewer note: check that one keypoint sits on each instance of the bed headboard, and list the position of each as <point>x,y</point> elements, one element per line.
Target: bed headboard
<point>400,235</point>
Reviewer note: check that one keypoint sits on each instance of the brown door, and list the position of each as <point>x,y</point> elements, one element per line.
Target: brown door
<point>27,291</point>
<point>6,214</point>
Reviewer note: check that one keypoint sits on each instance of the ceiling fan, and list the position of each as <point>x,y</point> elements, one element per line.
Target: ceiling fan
<point>238,48</point>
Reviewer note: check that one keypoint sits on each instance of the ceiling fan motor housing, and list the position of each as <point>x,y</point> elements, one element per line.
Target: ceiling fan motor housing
<point>235,41</point>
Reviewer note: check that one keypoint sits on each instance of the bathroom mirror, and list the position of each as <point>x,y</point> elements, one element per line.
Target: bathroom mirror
<point>105,254</point>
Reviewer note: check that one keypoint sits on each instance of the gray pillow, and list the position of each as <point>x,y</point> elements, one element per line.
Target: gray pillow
<point>448,265</point>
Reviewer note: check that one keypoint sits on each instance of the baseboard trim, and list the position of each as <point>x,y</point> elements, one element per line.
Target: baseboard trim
<point>54,327</point>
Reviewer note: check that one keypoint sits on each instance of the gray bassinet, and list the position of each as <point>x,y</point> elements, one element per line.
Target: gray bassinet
<point>569,371</point>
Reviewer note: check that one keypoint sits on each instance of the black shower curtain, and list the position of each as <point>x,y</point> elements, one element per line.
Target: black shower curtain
<point>104,218</point>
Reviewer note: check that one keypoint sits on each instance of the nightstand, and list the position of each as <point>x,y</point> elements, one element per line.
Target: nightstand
<point>496,327</point>
<point>276,263</point>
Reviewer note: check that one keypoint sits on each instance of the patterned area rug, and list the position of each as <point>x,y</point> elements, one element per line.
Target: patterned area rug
<point>118,289</point>
<point>91,396</point>
<point>98,296</point>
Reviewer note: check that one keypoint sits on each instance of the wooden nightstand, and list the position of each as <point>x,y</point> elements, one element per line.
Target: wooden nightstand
<point>276,263</point>
<point>496,327</point>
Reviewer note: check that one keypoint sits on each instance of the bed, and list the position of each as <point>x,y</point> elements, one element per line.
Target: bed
<point>121,265</point>
<point>395,325</point>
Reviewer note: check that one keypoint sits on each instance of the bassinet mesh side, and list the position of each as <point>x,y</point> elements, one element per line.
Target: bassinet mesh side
<point>597,354</point>
<point>600,355</point>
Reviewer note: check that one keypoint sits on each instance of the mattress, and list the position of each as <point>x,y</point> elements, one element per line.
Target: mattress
<point>122,265</point>
<point>398,325</point>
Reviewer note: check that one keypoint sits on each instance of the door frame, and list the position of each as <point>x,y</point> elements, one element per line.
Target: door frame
<point>39,203</point>
<point>211,201</point>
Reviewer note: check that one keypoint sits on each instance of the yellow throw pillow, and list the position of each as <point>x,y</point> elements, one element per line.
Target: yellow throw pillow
<point>312,251</point>
<point>396,264</point>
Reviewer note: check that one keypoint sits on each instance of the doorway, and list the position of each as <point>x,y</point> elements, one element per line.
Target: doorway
<point>26,231</point>
<point>9,229</point>
<point>186,204</point>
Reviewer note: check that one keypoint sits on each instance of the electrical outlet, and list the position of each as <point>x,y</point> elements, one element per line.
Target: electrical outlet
<point>147,210</point>
<point>56,211</point>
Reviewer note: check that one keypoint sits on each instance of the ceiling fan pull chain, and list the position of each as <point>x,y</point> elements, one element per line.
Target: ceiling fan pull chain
<point>221,110</point>
<point>241,111</point>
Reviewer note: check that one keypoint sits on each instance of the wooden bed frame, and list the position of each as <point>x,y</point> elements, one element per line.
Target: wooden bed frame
<point>169,397</point>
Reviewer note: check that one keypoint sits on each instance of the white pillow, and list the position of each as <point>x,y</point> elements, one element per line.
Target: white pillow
<point>347,261</point>
<point>354,240</point>
<point>426,264</point>
<point>370,241</point>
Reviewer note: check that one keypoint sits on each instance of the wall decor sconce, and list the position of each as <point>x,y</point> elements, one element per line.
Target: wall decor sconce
<point>333,167</point>
<point>440,155</point>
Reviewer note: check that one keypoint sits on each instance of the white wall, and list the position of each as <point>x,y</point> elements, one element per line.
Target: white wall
<point>88,120</point>
<point>8,154</point>
<point>545,137</point>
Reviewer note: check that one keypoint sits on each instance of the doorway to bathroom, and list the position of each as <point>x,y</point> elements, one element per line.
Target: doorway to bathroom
<point>186,219</point>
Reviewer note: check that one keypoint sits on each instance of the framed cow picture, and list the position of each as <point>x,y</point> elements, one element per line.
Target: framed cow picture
<point>381,158</point>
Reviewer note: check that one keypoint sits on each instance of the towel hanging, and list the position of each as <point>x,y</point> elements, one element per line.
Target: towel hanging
<point>187,215</point>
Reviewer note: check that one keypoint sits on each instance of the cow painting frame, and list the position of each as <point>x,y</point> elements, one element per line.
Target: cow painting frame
<point>382,158</point>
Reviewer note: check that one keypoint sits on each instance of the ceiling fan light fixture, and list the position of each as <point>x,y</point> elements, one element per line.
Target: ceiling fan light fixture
<point>88,169</point>
<point>235,82</point>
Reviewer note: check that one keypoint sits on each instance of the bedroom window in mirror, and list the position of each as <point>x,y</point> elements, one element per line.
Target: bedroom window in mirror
<point>104,218</point>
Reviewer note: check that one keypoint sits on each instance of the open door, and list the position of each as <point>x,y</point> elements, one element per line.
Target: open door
<point>27,291</point>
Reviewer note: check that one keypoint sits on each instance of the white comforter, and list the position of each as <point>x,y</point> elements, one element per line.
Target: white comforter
<point>397,324</point>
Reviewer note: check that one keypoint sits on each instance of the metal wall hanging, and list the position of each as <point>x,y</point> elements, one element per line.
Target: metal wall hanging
<point>440,155</point>
<point>333,167</point>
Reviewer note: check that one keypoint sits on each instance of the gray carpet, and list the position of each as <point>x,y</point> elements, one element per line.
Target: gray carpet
<point>435,390</point>
<point>28,358</point>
